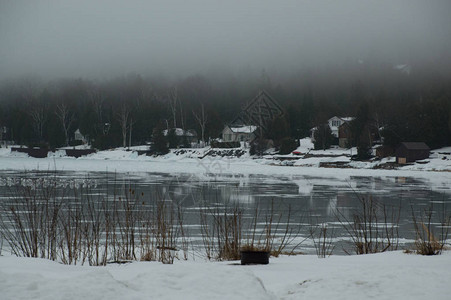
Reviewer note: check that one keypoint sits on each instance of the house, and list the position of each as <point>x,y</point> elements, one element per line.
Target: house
<point>336,122</point>
<point>239,133</point>
<point>411,151</point>
<point>334,125</point>
<point>183,136</point>
<point>80,137</point>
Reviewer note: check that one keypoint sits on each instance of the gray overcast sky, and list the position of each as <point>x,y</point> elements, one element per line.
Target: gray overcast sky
<point>91,38</point>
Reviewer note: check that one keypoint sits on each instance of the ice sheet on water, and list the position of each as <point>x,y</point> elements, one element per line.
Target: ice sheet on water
<point>44,182</point>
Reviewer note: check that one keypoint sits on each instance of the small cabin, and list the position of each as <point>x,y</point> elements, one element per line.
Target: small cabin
<point>411,151</point>
<point>243,133</point>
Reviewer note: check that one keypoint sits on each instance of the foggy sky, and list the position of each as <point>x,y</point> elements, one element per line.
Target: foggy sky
<point>97,39</point>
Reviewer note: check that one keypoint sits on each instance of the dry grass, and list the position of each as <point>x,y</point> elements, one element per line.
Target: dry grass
<point>428,241</point>
<point>46,222</point>
<point>226,232</point>
<point>254,248</point>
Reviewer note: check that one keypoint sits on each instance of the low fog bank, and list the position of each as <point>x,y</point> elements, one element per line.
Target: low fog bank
<point>106,39</point>
<point>105,66</point>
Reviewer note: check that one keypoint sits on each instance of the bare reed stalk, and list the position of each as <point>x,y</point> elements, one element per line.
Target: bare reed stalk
<point>147,240</point>
<point>222,232</point>
<point>373,228</point>
<point>207,235</point>
<point>226,233</point>
<point>29,221</point>
<point>166,230</point>
<point>70,236</point>
<point>93,228</point>
<point>229,229</point>
<point>278,243</point>
<point>183,233</point>
<point>322,240</point>
<point>126,219</point>
<point>275,236</point>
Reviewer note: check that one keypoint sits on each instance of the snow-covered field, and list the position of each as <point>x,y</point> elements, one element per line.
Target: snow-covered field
<point>393,275</point>
<point>193,161</point>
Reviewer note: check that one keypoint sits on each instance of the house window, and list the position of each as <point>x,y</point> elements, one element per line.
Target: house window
<point>335,123</point>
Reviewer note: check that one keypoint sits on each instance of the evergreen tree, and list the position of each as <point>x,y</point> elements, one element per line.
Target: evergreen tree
<point>287,145</point>
<point>279,129</point>
<point>160,143</point>
<point>360,128</point>
<point>258,146</point>
<point>172,138</point>
<point>323,137</point>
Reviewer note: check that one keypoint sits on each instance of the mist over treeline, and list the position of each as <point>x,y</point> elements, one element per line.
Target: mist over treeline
<point>411,102</point>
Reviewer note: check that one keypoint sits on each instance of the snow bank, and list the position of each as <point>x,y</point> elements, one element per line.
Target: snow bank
<point>393,275</point>
<point>194,161</point>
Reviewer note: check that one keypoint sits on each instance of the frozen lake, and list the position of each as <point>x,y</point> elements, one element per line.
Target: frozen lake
<point>310,200</point>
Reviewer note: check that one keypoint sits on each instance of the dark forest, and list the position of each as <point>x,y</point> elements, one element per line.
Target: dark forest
<point>412,103</point>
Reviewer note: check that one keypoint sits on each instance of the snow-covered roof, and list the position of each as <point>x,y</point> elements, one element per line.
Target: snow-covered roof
<point>347,119</point>
<point>180,132</point>
<point>243,129</point>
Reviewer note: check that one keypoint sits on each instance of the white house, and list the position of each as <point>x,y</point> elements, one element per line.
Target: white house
<point>190,134</point>
<point>80,137</point>
<point>334,123</point>
<point>243,133</point>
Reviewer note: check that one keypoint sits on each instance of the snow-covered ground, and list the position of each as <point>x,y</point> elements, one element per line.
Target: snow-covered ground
<point>393,275</point>
<point>120,160</point>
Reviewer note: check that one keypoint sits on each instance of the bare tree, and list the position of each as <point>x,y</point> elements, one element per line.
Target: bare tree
<point>182,118</point>
<point>39,117</point>
<point>130,133</point>
<point>31,88</point>
<point>202,119</point>
<point>173,99</point>
<point>97,99</point>
<point>66,118</point>
<point>123,118</point>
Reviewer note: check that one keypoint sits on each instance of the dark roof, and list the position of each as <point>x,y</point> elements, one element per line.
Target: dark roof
<point>415,146</point>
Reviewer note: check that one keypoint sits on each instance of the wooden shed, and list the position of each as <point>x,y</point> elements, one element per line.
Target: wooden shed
<point>411,151</point>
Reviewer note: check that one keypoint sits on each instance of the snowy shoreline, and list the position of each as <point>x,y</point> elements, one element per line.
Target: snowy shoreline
<point>122,161</point>
<point>390,275</point>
